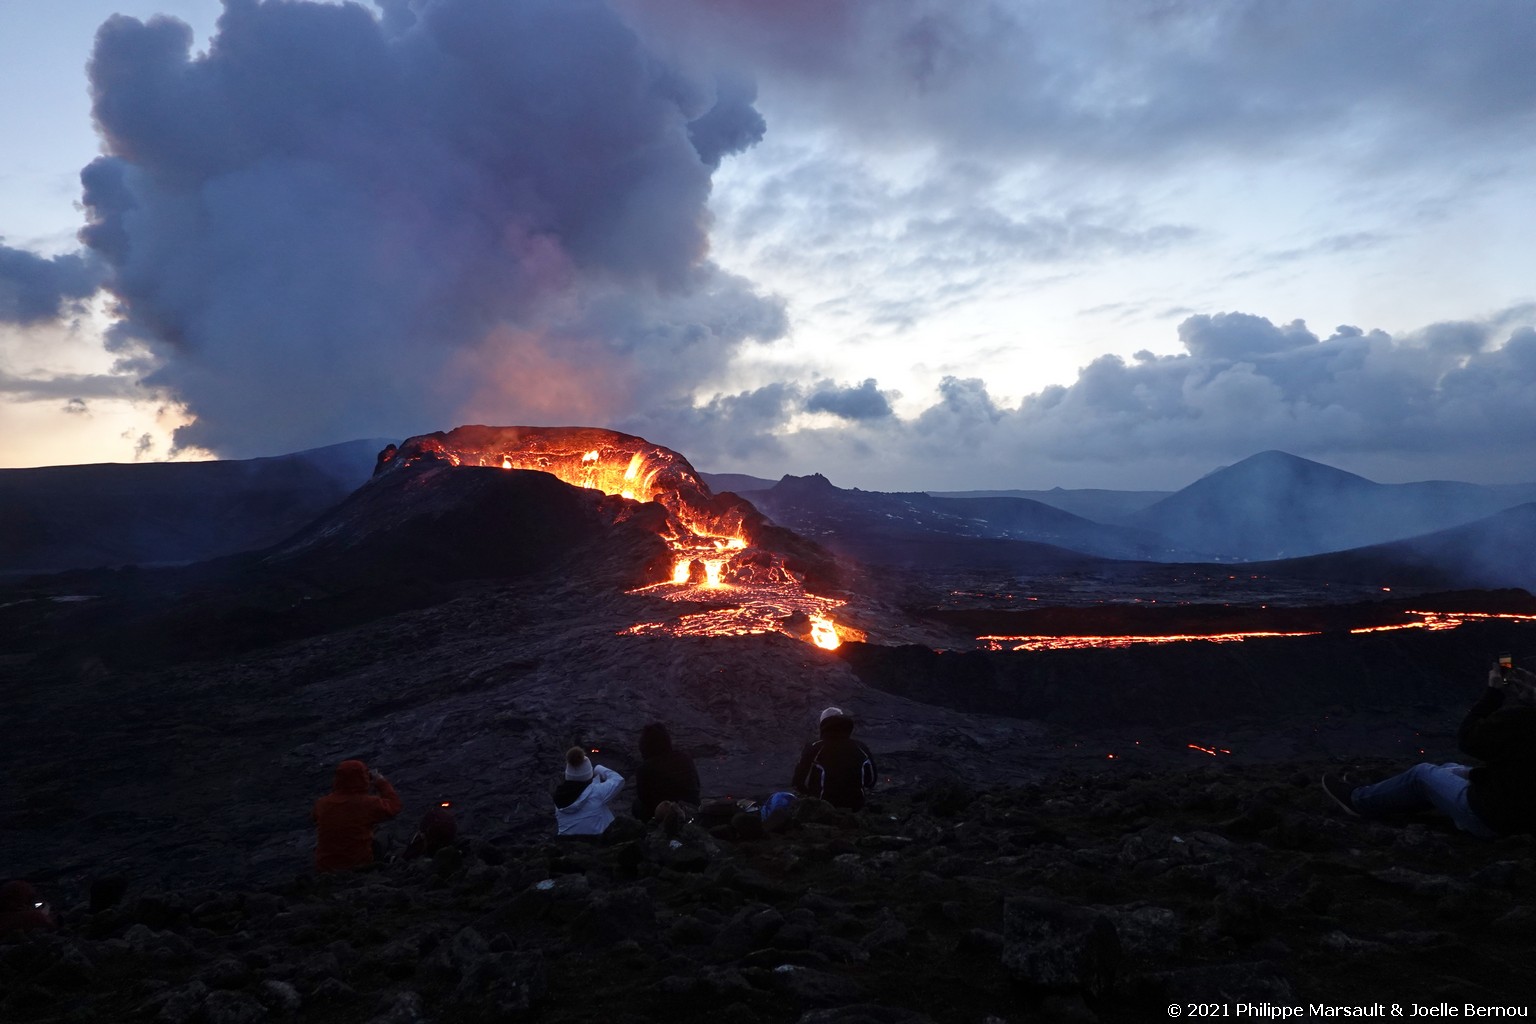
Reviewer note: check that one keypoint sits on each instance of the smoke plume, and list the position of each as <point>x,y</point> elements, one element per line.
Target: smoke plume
<point>35,289</point>
<point>334,223</point>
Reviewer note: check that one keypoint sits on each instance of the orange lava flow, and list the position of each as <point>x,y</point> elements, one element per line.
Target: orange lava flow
<point>714,562</point>
<point>1427,620</point>
<point>747,609</point>
<point>1075,643</point>
<point>755,598</point>
<point>1445,620</point>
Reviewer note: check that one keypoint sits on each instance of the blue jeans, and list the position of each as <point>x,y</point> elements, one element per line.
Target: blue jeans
<point>1424,787</point>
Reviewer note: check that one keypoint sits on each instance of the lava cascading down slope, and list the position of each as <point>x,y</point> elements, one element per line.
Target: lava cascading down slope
<point>720,544</point>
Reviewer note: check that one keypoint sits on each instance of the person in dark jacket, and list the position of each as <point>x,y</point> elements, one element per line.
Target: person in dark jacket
<point>1497,798</point>
<point>665,774</point>
<point>438,830</point>
<point>21,910</point>
<point>345,817</point>
<point>836,768</point>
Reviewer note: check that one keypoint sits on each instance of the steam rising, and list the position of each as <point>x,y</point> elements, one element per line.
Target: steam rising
<point>332,223</point>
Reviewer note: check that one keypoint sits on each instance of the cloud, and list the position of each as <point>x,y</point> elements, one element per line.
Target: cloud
<point>1117,82</point>
<point>864,402</point>
<point>35,289</point>
<point>332,224</point>
<point>1451,399</point>
<point>74,387</point>
<point>732,125</point>
<point>742,426</point>
<point>1234,336</point>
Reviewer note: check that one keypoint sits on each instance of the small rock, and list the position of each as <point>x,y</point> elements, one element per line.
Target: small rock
<point>232,1008</point>
<point>333,990</point>
<point>1052,945</point>
<point>279,996</point>
<point>818,988</point>
<point>182,1004</point>
<point>401,1008</point>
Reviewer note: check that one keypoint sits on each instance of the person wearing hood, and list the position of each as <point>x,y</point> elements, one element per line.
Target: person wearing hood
<point>345,817</point>
<point>21,910</point>
<point>836,768</point>
<point>665,774</point>
<point>581,801</point>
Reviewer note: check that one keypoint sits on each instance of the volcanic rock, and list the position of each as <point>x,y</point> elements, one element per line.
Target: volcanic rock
<point>1059,928</point>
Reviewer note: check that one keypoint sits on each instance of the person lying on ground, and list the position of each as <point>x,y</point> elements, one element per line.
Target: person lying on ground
<point>1496,798</point>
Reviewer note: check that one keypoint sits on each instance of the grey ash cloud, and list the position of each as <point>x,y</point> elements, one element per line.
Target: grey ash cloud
<point>36,289</point>
<point>332,223</point>
<point>862,402</point>
<point>1000,79</point>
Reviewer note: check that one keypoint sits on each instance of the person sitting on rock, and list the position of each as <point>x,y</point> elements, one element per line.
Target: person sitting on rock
<point>21,910</point>
<point>581,801</point>
<point>345,817</point>
<point>665,774</point>
<point>1495,799</point>
<point>836,768</point>
<point>438,830</point>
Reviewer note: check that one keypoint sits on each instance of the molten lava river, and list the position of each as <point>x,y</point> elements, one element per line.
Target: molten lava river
<point>744,588</point>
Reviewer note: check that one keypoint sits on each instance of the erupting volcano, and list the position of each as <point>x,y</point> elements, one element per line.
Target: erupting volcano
<point>724,554</point>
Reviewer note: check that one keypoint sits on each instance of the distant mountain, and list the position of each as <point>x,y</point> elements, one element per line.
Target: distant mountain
<point>1102,506</point>
<point>739,483</point>
<point>1499,551</point>
<point>919,529</point>
<point>73,517</point>
<point>1274,505</point>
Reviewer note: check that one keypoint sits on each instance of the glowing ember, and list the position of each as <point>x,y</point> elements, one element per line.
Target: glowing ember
<point>1213,751</point>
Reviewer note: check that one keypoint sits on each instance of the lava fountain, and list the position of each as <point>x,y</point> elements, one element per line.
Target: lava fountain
<point>725,554</point>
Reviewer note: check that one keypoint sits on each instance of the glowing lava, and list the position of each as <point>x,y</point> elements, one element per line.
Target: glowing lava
<point>1445,620</point>
<point>1074,643</point>
<point>715,558</point>
<point>1426,620</point>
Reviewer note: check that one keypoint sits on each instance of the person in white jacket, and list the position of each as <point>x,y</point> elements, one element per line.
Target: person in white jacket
<point>581,801</point>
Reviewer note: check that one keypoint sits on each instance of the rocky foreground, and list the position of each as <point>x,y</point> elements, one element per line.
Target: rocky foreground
<point>1096,895</point>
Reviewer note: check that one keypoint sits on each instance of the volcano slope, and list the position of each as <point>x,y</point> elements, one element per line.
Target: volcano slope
<point>154,734</point>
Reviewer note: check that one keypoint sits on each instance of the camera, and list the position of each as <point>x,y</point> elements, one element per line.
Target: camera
<point>1506,662</point>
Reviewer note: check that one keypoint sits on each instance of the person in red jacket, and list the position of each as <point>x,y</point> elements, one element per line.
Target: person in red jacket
<point>345,817</point>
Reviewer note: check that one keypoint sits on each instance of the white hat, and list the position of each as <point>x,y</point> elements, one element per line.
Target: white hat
<point>580,773</point>
<point>832,713</point>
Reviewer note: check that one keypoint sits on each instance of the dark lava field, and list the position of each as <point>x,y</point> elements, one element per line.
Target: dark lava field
<point>1057,835</point>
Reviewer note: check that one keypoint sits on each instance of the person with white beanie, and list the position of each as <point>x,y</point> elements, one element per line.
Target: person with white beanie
<point>836,767</point>
<point>581,801</point>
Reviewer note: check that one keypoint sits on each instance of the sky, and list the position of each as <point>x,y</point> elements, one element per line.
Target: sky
<point>908,244</point>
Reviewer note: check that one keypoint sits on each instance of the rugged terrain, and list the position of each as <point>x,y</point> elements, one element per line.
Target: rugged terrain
<point>1066,834</point>
<point>1100,894</point>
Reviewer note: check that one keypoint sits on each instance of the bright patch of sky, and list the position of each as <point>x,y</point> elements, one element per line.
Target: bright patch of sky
<point>901,243</point>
